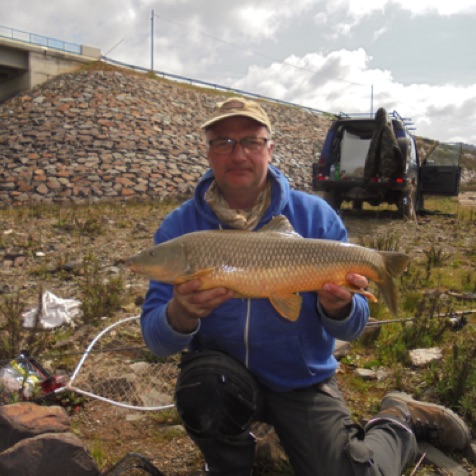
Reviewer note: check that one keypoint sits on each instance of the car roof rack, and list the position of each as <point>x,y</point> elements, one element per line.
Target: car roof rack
<point>406,121</point>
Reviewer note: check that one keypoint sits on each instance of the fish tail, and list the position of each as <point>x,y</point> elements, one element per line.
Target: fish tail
<point>394,265</point>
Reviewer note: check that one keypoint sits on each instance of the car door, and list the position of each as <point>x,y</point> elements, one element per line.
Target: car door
<point>440,173</point>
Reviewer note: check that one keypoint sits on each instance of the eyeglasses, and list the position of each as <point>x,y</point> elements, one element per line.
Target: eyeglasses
<point>251,145</point>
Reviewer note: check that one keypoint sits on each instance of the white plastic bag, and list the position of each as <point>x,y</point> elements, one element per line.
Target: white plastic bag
<point>55,312</point>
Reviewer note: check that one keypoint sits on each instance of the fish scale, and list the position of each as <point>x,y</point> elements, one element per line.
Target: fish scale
<point>293,265</point>
<point>274,262</point>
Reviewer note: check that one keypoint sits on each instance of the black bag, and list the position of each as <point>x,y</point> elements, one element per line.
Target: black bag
<point>215,394</point>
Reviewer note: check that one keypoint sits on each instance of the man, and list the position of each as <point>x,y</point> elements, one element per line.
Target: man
<point>246,362</point>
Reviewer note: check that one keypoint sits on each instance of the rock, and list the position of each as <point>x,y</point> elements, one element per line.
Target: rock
<point>440,460</point>
<point>36,441</point>
<point>5,289</point>
<point>368,374</point>
<point>131,149</point>
<point>49,454</point>
<point>24,420</point>
<point>342,348</point>
<point>73,266</point>
<point>471,452</point>
<point>422,357</point>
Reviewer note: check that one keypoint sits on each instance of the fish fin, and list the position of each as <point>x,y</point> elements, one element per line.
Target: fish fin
<point>356,290</point>
<point>288,305</point>
<point>197,275</point>
<point>395,264</point>
<point>280,224</point>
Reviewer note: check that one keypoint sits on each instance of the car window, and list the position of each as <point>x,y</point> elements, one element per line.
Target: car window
<point>352,156</point>
<point>444,154</point>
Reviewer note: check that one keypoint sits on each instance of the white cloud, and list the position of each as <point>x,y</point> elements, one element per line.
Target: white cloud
<point>325,54</point>
<point>361,8</point>
<point>443,112</point>
<point>346,15</point>
<point>441,7</point>
<point>378,33</point>
<point>258,21</point>
<point>320,18</point>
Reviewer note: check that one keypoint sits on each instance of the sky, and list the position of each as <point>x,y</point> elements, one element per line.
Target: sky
<point>416,57</point>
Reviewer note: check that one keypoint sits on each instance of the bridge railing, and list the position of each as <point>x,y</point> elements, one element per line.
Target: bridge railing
<point>39,40</point>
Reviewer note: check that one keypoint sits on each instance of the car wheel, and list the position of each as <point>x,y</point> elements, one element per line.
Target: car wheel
<point>334,199</point>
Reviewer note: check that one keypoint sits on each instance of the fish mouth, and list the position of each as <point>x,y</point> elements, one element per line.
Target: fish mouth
<point>133,266</point>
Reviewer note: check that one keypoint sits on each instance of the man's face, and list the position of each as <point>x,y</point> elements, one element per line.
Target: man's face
<point>240,170</point>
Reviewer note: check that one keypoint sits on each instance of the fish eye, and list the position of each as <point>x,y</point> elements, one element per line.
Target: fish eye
<point>152,253</point>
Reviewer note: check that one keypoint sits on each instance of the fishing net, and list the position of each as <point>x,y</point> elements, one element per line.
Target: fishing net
<point>117,368</point>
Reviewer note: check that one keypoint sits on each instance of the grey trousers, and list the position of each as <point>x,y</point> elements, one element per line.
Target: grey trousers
<point>320,438</point>
<point>314,425</point>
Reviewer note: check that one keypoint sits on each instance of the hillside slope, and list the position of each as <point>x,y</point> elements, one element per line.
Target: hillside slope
<point>110,134</point>
<point>104,133</point>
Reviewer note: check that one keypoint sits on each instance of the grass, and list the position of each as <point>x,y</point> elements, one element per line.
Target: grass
<point>100,296</point>
<point>440,266</point>
<point>99,453</point>
<point>454,382</point>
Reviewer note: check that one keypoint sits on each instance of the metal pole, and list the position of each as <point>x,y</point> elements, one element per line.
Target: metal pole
<point>152,41</point>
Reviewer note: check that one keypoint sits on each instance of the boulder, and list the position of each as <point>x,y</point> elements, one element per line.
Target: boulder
<point>52,454</point>
<point>37,441</point>
<point>24,420</point>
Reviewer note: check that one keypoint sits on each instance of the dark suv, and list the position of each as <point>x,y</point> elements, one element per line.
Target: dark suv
<point>375,160</point>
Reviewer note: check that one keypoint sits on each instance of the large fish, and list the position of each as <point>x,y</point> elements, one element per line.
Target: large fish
<point>274,262</point>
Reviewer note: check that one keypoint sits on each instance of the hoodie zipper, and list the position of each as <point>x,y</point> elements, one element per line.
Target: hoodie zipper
<point>247,332</point>
<point>247,325</point>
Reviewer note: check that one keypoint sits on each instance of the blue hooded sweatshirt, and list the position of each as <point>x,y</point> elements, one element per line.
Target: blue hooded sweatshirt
<point>283,355</point>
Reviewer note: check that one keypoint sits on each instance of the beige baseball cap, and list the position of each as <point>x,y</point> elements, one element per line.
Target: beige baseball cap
<point>237,106</point>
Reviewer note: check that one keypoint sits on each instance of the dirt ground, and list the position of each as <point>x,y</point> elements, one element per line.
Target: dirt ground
<point>175,455</point>
<point>110,432</point>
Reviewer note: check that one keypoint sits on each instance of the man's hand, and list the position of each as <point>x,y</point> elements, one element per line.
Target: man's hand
<point>188,304</point>
<point>336,300</point>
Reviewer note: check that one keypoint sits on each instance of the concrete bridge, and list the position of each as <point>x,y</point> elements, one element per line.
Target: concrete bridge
<point>27,59</point>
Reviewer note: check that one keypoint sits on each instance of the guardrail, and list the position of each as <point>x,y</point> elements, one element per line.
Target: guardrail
<point>39,40</point>
<point>199,82</point>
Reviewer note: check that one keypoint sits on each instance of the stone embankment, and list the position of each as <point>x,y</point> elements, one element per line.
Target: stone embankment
<point>114,135</point>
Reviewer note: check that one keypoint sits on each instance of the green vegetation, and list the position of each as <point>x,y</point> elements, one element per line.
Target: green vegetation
<point>13,336</point>
<point>99,454</point>
<point>454,382</point>
<point>75,249</point>
<point>99,296</point>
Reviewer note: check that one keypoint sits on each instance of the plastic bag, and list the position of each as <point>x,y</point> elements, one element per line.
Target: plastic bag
<point>55,312</point>
<point>19,377</point>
